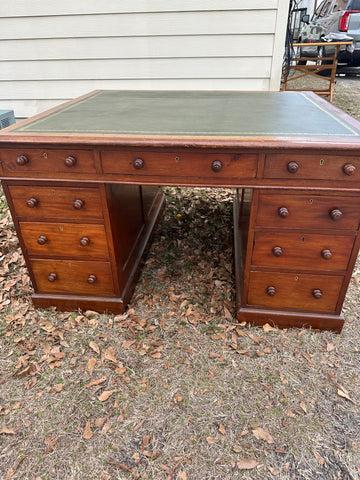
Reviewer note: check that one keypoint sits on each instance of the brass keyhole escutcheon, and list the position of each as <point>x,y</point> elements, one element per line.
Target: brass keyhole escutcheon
<point>303,239</point>
<point>296,279</point>
<point>311,201</point>
<point>177,159</point>
<point>44,155</point>
<point>322,161</point>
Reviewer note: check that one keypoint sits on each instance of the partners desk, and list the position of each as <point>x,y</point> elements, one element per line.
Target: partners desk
<point>82,183</point>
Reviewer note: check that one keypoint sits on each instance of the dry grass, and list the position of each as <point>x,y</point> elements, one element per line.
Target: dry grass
<point>194,395</point>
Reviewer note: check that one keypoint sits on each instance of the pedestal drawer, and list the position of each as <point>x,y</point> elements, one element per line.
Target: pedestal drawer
<point>302,251</point>
<point>59,202</point>
<point>73,277</point>
<point>294,291</point>
<point>314,166</point>
<point>308,211</point>
<point>25,160</point>
<point>64,239</point>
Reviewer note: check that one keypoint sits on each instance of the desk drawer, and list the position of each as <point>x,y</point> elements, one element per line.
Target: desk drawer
<point>294,291</point>
<point>59,202</point>
<point>73,277</point>
<point>312,167</point>
<point>308,211</point>
<point>199,165</point>
<point>75,239</point>
<point>22,160</point>
<point>302,251</point>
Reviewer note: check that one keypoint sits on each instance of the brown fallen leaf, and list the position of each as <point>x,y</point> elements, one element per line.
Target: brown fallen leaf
<point>106,428</point>
<point>6,431</point>
<point>11,472</point>
<point>263,434</point>
<point>211,440</point>
<point>105,395</point>
<point>156,355</point>
<point>182,475</point>
<point>178,398</point>
<point>95,382</point>
<point>247,463</point>
<point>58,388</point>
<point>343,394</point>
<point>303,406</point>
<point>127,344</point>
<point>319,459</point>
<point>109,354</point>
<point>119,465</point>
<point>237,448</point>
<point>269,328</point>
<point>87,434</point>
<point>94,346</point>
<point>308,358</point>
<point>222,429</point>
<point>91,365</point>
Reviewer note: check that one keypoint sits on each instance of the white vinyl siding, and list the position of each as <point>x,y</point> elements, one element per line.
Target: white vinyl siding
<point>52,51</point>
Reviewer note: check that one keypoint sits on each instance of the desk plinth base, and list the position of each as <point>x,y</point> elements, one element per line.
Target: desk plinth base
<point>283,319</point>
<point>67,303</point>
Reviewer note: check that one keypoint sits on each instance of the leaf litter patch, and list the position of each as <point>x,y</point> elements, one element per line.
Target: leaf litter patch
<point>174,388</point>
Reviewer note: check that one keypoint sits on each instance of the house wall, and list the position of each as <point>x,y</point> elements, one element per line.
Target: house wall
<point>52,51</point>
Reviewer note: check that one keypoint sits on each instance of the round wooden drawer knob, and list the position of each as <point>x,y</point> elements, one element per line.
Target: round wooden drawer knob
<point>292,167</point>
<point>317,293</point>
<point>91,279</point>
<point>283,212</point>
<point>52,277</point>
<point>216,166</point>
<point>271,291</point>
<point>84,241</point>
<point>22,160</point>
<point>349,169</point>
<point>138,163</point>
<point>32,203</point>
<point>335,214</point>
<point>70,161</point>
<point>277,251</point>
<point>326,254</point>
<point>42,240</point>
<point>78,204</point>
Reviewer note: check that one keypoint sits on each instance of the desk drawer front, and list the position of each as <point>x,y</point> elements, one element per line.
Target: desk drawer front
<point>73,277</point>
<point>59,202</point>
<point>312,167</point>
<point>53,239</point>
<point>302,251</point>
<point>288,290</point>
<point>197,165</point>
<point>47,161</point>
<point>308,211</point>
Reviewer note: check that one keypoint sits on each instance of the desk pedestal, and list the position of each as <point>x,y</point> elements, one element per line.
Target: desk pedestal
<point>294,255</point>
<point>83,244</point>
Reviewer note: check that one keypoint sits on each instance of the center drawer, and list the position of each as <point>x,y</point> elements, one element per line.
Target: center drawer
<point>302,251</point>
<point>188,164</point>
<point>63,239</point>
<point>308,211</point>
<point>59,202</point>
<point>294,291</point>
<point>73,277</point>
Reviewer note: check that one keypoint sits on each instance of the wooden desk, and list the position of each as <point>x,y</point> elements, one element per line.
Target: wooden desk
<point>82,183</point>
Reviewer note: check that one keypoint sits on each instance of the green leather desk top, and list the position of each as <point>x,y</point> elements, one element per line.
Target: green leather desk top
<point>189,113</point>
